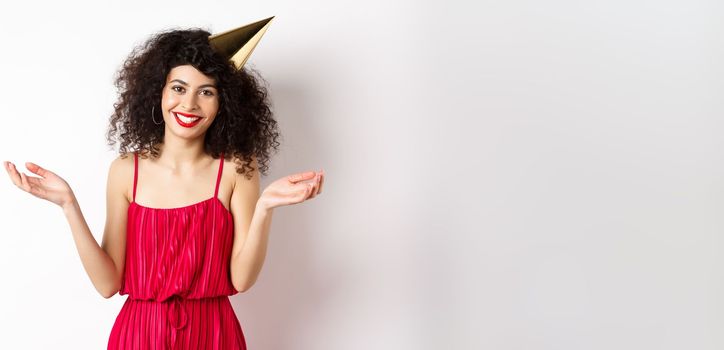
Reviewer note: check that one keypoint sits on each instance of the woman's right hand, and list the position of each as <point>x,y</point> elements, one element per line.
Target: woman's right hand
<point>48,186</point>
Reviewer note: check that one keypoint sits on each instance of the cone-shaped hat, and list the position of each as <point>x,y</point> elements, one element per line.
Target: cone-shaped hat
<point>237,44</point>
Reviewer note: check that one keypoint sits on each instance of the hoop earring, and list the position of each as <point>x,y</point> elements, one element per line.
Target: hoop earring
<point>153,109</point>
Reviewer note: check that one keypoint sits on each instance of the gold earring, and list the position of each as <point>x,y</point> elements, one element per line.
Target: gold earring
<point>152,116</point>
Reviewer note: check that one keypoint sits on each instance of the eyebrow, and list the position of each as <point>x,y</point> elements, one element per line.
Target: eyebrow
<point>186,84</point>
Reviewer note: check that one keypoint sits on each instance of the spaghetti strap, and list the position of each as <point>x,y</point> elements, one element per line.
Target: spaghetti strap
<point>135,174</point>
<point>218,177</point>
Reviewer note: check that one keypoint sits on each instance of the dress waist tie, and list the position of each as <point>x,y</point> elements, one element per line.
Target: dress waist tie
<point>177,318</point>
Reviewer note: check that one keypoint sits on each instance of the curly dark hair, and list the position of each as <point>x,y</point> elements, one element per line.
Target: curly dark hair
<point>244,126</point>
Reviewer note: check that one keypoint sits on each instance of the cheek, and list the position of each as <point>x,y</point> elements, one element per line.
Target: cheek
<point>212,107</point>
<point>168,101</point>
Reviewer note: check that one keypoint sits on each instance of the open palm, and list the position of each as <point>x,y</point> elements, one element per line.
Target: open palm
<point>48,186</point>
<point>291,189</point>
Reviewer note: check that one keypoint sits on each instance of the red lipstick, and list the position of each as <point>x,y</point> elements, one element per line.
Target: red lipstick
<point>186,120</point>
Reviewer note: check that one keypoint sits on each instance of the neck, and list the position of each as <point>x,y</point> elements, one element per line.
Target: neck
<point>177,153</point>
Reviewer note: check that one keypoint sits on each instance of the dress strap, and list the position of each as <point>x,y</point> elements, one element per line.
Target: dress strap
<point>218,177</point>
<point>135,174</point>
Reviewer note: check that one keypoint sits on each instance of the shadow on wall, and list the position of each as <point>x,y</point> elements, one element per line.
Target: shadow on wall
<point>290,292</point>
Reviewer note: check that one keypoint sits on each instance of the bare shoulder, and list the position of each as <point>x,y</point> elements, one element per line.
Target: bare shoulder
<point>244,193</point>
<point>246,182</point>
<point>121,165</point>
<point>249,175</point>
<point>120,175</point>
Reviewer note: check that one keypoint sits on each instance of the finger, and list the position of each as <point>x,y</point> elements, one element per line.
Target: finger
<point>37,169</point>
<point>300,176</point>
<point>310,191</point>
<point>316,184</point>
<point>14,175</point>
<point>298,191</point>
<point>315,189</point>
<point>30,183</point>
<point>24,182</point>
<point>321,181</point>
<point>304,190</point>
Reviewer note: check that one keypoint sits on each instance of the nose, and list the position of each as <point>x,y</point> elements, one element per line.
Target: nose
<point>189,102</point>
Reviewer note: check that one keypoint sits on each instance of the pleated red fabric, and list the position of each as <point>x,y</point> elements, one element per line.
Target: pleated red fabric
<point>177,278</point>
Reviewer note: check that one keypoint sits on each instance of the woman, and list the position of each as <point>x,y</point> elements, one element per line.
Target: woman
<point>185,114</point>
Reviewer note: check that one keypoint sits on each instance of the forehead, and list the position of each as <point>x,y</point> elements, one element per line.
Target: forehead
<point>190,75</point>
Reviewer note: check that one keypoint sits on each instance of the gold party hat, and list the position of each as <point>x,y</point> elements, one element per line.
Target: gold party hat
<point>237,44</point>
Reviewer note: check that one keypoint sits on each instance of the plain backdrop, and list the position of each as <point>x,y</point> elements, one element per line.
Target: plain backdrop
<point>500,174</point>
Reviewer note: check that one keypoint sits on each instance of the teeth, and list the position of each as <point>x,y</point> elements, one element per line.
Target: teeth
<point>187,119</point>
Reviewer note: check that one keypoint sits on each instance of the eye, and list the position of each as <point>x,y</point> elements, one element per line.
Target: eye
<point>177,88</point>
<point>207,92</point>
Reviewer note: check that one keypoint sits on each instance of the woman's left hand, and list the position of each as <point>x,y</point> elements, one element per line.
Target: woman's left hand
<point>292,189</point>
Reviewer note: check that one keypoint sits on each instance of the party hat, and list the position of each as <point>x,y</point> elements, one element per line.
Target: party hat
<point>237,44</point>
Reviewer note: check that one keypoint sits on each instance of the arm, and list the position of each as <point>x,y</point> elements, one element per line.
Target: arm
<point>251,231</point>
<point>104,263</point>
<point>252,218</point>
<point>247,263</point>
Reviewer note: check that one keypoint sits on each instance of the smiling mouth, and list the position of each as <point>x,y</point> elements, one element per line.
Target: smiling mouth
<point>186,120</point>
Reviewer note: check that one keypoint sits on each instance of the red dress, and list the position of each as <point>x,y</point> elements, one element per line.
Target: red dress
<point>177,278</point>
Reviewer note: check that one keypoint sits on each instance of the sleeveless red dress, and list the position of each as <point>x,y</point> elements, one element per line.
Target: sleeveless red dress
<point>177,278</point>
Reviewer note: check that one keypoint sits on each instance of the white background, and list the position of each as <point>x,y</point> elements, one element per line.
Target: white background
<point>500,174</point>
